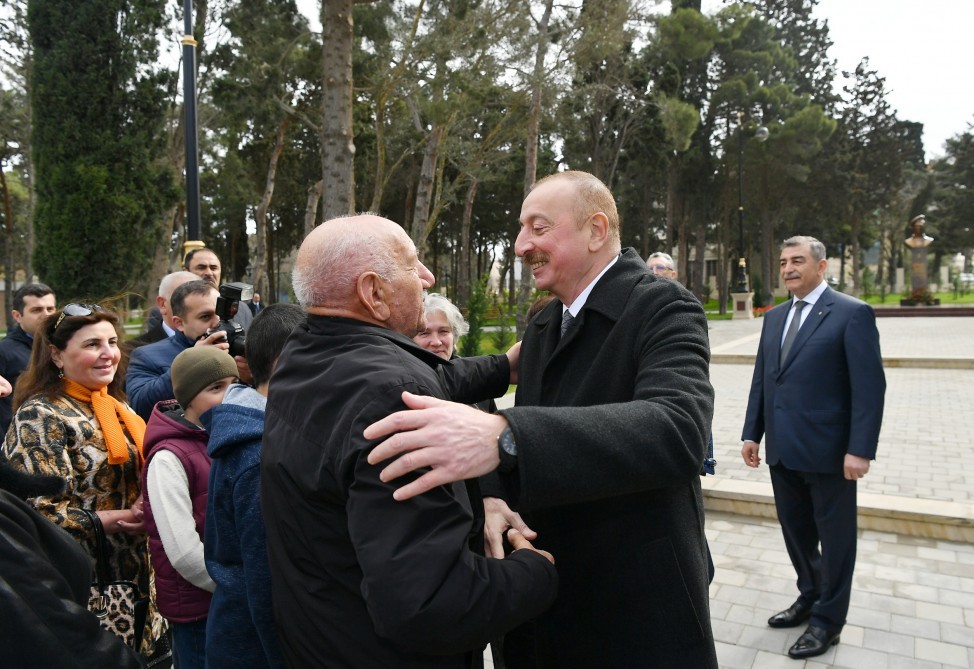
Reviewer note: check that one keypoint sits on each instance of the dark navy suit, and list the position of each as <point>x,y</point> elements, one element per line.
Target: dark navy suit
<point>148,380</point>
<point>824,401</point>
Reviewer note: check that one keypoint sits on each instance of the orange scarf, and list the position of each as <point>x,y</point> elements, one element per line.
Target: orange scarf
<point>107,411</point>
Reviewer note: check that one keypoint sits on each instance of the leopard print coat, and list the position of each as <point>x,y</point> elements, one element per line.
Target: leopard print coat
<point>63,437</point>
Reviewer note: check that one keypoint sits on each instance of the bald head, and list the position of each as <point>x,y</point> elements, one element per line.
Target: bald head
<point>169,283</point>
<point>362,267</point>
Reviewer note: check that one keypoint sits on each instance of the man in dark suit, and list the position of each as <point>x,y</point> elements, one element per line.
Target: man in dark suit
<point>817,394</point>
<point>602,452</point>
<point>33,303</point>
<point>165,328</point>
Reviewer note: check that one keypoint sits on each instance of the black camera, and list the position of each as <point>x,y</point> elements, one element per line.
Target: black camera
<point>231,295</point>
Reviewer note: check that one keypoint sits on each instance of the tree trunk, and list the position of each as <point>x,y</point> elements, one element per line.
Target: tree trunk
<point>463,274</point>
<point>260,216</point>
<point>337,139</point>
<point>8,250</point>
<point>311,209</point>
<point>699,275</point>
<point>856,258</point>
<point>424,190</point>
<point>531,163</point>
<point>767,257</point>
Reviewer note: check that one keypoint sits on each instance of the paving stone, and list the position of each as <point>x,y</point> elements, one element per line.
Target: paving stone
<point>945,653</point>
<point>939,612</point>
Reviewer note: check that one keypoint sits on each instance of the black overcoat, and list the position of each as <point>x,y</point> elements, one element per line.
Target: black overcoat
<point>358,579</point>
<point>611,423</point>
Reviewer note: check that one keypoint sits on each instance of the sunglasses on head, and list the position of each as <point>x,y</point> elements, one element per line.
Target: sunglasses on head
<point>75,309</point>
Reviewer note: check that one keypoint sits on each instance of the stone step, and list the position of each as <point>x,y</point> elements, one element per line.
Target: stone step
<point>932,519</point>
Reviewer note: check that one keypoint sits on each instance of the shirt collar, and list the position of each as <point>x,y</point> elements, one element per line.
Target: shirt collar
<point>579,302</point>
<point>813,296</point>
<point>169,331</point>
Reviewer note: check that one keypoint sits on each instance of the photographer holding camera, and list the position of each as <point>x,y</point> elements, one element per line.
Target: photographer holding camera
<point>197,323</point>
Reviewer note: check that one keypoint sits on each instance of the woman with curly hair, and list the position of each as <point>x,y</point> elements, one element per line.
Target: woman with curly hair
<point>71,421</point>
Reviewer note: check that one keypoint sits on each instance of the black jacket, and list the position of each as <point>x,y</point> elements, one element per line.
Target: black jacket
<point>45,578</point>
<point>14,358</point>
<point>611,423</point>
<point>359,579</point>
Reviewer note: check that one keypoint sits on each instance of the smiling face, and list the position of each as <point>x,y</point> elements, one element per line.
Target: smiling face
<point>564,256</point>
<point>91,356</point>
<point>800,272</point>
<point>407,286</point>
<point>438,335</point>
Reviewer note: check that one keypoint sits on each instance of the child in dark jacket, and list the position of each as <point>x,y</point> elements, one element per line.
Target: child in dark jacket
<point>174,483</point>
<point>240,630</point>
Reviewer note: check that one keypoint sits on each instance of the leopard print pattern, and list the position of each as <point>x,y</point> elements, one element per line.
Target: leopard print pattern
<point>62,437</point>
<point>115,610</point>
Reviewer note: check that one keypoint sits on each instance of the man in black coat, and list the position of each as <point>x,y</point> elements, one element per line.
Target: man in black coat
<point>359,579</point>
<point>33,303</point>
<point>603,450</point>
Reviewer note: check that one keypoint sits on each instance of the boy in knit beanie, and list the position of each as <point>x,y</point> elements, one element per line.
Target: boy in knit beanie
<point>174,488</point>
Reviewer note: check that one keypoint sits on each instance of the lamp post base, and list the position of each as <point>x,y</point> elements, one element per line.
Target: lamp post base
<point>743,305</point>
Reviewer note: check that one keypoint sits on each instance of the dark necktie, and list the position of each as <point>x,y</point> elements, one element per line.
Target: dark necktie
<point>796,322</point>
<point>566,321</point>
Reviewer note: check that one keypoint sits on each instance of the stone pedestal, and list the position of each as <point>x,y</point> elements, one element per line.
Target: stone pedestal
<point>743,305</point>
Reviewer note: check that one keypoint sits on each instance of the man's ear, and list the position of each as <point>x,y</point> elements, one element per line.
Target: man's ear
<point>373,293</point>
<point>17,315</point>
<point>161,303</point>
<point>598,224</point>
<point>178,323</point>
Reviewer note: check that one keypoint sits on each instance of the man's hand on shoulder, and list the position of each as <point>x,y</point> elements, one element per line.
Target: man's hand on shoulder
<point>455,441</point>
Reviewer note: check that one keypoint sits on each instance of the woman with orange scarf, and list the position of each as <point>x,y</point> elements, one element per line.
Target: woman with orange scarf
<point>72,421</point>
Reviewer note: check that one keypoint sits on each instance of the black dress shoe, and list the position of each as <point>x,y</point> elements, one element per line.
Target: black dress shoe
<point>815,641</point>
<point>793,616</point>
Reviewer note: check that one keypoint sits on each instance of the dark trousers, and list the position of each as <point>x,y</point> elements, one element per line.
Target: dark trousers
<point>189,644</point>
<point>818,509</point>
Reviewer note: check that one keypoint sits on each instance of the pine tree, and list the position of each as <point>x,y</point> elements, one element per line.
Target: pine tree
<point>98,107</point>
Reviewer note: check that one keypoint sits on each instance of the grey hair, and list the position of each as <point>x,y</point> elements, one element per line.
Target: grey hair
<point>172,281</point>
<point>325,273</point>
<point>436,302</point>
<point>666,257</point>
<point>816,247</point>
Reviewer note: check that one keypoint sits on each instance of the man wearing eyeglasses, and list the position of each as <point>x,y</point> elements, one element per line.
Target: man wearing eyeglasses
<point>661,264</point>
<point>33,303</point>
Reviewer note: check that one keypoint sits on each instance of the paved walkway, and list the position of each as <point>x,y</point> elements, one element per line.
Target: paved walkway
<point>913,597</point>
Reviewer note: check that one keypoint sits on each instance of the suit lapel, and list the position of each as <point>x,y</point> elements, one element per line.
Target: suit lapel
<point>819,311</point>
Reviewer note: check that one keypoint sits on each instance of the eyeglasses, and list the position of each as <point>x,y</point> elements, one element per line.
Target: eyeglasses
<point>74,309</point>
<point>660,268</point>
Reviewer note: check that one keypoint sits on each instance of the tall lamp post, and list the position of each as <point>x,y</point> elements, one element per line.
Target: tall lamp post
<point>192,152</point>
<point>760,134</point>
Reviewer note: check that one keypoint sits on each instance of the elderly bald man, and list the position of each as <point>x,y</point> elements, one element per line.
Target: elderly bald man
<point>164,328</point>
<point>359,578</point>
